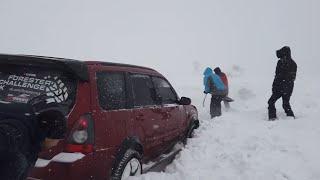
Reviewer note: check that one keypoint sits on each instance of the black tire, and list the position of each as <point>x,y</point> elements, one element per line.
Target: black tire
<point>191,132</point>
<point>123,161</point>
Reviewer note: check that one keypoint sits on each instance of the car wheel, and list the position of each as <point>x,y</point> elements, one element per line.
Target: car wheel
<point>190,134</point>
<point>129,165</point>
<point>195,125</point>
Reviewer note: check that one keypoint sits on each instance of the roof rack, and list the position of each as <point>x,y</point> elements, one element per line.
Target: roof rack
<point>124,65</point>
<point>97,62</point>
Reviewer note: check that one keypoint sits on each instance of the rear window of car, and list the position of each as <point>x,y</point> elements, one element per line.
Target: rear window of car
<point>112,90</point>
<point>20,84</point>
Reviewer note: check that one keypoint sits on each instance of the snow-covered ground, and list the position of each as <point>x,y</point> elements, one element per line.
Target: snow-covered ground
<point>243,145</point>
<point>179,38</point>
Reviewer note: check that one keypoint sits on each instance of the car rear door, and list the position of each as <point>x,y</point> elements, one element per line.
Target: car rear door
<point>111,112</point>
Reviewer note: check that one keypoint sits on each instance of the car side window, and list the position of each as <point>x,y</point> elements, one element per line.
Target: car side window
<point>164,91</point>
<point>143,90</point>
<point>112,90</point>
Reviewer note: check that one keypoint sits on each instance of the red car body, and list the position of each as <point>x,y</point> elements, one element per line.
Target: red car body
<point>151,129</point>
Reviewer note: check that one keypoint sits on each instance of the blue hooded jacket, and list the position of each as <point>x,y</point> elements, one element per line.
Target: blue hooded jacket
<point>216,80</point>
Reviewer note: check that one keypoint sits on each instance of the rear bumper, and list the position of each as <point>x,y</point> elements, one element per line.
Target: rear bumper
<point>67,166</point>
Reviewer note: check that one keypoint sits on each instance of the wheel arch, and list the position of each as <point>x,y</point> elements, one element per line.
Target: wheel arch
<point>128,143</point>
<point>134,143</point>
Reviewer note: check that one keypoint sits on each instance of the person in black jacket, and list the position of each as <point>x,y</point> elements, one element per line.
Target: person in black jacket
<point>24,131</point>
<point>283,83</point>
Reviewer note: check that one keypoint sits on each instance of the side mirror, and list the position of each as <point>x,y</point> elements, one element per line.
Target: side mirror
<point>185,101</point>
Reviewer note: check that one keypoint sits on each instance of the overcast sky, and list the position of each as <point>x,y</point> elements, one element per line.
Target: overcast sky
<point>163,33</point>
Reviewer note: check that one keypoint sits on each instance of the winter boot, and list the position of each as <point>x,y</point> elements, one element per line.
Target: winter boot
<point>288,111</point>
<point>272,113</point>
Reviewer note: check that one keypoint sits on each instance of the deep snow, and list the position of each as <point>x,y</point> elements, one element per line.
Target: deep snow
<point>243,145</point>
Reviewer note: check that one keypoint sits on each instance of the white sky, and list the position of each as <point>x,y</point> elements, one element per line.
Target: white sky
<point>164,33</point>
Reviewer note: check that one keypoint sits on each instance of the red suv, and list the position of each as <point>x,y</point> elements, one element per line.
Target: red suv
<point>119,116</point>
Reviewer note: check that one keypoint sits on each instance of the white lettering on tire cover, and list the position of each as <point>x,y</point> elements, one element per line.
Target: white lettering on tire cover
<point>57,92</point>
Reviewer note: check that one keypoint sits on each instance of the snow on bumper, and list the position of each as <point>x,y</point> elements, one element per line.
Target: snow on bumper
<point>61,157</point>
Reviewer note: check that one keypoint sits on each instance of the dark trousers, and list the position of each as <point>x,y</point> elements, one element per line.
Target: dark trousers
<point>215,106</point>
<point>272,112</point>
<point>13,163</point>
<point>13,166</point>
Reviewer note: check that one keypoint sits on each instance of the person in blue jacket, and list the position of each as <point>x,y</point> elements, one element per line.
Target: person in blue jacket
<point>214,85</point>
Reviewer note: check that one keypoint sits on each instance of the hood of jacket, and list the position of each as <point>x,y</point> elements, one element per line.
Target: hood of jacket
<point>217,70</point>
<point>284,53</point>
<point>207,72</point>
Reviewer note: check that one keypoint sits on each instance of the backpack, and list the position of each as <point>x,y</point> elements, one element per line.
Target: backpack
<point>214,90</point>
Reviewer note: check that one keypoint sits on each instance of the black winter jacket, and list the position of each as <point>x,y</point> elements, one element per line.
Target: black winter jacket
<point>285,72</point>
<point>19,130</point>
<point>23,129</point>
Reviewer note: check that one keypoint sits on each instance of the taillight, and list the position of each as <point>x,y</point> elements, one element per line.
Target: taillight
<point>81,137</point>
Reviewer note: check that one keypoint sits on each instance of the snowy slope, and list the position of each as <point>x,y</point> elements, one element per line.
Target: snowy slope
<point>243,145</point>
